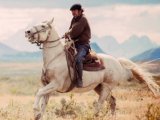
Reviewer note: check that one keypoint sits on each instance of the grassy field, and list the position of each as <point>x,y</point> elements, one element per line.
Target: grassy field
<point>20,81</point>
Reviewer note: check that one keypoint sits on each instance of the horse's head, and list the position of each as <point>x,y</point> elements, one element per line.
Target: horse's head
<point>39,33</point>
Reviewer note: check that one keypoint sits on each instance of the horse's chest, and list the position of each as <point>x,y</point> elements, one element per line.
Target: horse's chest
<point>47,76</point>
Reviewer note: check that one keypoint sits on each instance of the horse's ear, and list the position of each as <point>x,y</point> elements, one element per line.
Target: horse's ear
<point>44,22</point>
<point>51,21</point>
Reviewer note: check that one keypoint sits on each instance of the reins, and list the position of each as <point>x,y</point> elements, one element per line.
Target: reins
<point>39,43</point>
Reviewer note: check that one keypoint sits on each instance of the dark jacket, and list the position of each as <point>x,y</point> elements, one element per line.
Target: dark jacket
<point>80,30</point>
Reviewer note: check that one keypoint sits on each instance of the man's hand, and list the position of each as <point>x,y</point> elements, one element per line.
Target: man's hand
<point>66,35</point>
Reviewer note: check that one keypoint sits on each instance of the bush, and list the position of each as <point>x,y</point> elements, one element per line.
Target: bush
<point>153,112</point>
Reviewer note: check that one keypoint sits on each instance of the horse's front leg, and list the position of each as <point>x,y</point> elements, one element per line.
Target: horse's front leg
<point>44,103</point>
<point>43,92</point>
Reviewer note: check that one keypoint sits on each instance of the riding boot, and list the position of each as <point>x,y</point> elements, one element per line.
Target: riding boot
<point>80,72</point>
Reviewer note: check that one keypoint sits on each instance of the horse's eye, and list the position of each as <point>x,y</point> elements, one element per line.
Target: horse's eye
<point>43,26</point>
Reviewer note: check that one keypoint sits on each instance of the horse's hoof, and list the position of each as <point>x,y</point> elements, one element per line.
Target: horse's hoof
<point>96,114</point>
<point>37,116</point>
<point>157,96</point>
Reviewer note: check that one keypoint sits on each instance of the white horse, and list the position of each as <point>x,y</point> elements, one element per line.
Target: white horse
<point>55,75</point>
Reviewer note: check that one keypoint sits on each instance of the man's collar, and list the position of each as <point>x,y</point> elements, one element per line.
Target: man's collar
<point>78,17</point>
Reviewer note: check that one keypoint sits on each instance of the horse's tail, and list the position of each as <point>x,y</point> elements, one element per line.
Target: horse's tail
<point>140,74</point>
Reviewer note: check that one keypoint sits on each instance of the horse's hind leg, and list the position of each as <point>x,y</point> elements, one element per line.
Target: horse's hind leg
<point>112,103</point>
<point>104,94</point>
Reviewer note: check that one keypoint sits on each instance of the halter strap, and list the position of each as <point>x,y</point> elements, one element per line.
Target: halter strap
<point>39,43</point>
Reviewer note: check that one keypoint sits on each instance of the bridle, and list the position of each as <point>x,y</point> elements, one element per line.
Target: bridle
<point>39,43</point>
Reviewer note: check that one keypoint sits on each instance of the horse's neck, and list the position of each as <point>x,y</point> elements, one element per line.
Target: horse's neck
<point>52,50</point>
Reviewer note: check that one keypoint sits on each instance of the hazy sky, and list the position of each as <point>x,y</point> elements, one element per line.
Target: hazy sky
<point>66,3</point>
<point>107,17</point>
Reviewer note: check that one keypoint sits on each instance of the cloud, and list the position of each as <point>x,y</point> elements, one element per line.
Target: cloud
<point>66,3</point>
<point>120,21</point>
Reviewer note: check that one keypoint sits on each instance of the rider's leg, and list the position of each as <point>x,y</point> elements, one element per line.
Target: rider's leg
<point>82,51</point>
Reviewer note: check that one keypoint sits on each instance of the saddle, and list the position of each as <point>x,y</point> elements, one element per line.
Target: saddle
<point>91,62</point>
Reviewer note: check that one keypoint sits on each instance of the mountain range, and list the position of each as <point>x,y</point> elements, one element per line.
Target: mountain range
<point>22,56</point>
<point>6,50</point>
<point>134,45</point>
<point>129,48</point>
<point>9,54</point>
<point>149,55</point>
<point>15,47</point>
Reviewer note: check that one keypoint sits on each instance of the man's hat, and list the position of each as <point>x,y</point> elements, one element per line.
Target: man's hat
<point>76,7</point>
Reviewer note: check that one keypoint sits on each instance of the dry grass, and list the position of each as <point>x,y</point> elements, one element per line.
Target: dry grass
<point>134,101</point>
<point>153,112</point>
<point>19,78</point>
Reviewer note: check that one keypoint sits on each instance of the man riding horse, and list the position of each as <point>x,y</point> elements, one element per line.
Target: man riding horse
<point>115,71</point>
<point>80,32</point>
